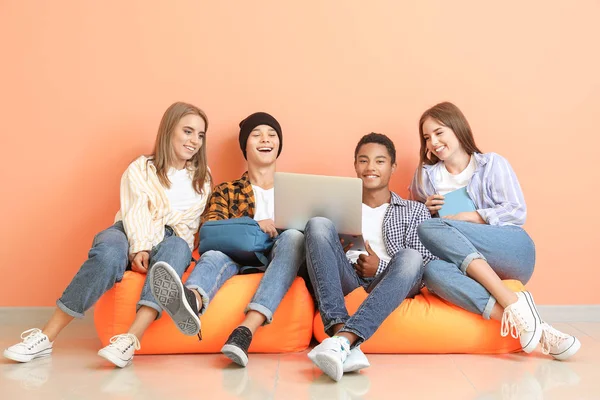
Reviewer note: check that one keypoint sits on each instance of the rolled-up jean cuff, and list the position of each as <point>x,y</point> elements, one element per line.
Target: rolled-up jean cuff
<point>333,323</point>
<point>487,311</point>
<point>360,339</point>
<point>261,309</point>
<point>469,259</point>
<point>67,310</point>
<point>203,295</point>
<point>150,304</point>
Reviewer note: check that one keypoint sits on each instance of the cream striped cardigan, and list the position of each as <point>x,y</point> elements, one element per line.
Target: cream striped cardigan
<point>145,209</point>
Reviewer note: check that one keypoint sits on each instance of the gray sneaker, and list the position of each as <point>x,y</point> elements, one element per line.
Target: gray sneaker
<point>177,300</point>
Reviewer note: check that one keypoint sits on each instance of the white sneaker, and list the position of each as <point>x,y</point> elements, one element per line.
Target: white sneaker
<point>35,344</point>
<point>355,361</point>
<point>522,320</point>
<point>330,355</point>
<point>120,350</point>
<point>558,344</point>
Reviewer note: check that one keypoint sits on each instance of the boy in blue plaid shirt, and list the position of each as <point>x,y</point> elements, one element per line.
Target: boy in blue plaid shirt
<point>390,269</point>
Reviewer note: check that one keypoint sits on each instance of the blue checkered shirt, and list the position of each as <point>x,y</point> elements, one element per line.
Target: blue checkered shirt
<point>400,228</point>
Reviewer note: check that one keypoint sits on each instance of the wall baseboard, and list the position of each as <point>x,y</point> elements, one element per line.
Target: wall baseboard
<point>35,314</point>
<point>578,313</point>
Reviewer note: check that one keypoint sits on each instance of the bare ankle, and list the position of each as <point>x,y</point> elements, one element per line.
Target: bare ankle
<point>51,335</point>
<point>198,298</point>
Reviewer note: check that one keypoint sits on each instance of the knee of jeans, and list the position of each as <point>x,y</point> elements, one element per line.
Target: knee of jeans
<point>318,226</point>
<point>111,236</point>
<point>412,261</point>
<point>109,256</point>
<point>213,257</point>
<point>178,246</point>
<point>292,235</point>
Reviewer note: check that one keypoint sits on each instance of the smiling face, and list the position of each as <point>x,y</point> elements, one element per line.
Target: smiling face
<point>373,165</point>
<point>441,141</point>
<point>187,139</point>
<point>262,146</point>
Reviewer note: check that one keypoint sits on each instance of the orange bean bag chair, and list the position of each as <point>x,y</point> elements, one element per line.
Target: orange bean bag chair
<point>428,324</point>
<point>290,331</point>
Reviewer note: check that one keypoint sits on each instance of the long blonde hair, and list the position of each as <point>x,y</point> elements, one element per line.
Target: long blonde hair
<point>448,115</point>
<point>164,155</point>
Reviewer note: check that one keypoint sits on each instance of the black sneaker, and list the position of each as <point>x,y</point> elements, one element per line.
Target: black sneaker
<point>177,300</point>
<point>236,347</point>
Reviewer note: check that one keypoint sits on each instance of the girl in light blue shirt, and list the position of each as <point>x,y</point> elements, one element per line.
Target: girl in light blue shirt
<point>478,249</point>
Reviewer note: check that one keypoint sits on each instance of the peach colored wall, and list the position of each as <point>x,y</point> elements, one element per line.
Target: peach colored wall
<point>83,85</point>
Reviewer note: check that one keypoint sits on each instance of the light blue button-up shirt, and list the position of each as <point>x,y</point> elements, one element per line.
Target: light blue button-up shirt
<point>494,188</point>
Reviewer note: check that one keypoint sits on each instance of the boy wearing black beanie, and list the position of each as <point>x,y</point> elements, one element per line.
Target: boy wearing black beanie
<point>251,196</point>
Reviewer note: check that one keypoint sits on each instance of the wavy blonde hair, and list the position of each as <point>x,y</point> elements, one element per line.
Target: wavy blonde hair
<point>164,155</point>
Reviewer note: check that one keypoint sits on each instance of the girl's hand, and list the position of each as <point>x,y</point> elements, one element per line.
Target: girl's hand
<point>139,261</point>
<point>468,216</point>
<point>434,203</point>
<point>268,227</point>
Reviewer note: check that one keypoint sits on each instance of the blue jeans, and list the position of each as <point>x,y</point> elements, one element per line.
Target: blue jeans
<point>333,277</point>
<point>108,259</point>
<point>215,268</point>
<point>508,249</point>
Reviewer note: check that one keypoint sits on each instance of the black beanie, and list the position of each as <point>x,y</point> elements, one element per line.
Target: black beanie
<point>254,120</point>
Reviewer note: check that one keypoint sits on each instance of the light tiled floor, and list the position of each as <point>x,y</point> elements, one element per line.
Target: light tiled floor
<point>75,372</point>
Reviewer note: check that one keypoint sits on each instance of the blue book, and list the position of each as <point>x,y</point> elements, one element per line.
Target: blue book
<point>456,201</point>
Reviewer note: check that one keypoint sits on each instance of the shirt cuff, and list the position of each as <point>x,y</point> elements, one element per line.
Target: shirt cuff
<point>382,266</point>
<point>489,216</point>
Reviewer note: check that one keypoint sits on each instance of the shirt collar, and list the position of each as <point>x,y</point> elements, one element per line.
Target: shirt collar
<point>397,200</point>
<point>245,178</point>
<point>480,159</point>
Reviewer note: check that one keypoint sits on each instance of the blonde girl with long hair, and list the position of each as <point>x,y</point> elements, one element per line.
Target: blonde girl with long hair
<point>162,197</point>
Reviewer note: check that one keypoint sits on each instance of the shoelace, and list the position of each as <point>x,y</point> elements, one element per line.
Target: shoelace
<point>512,322</point>
<point>30,335</point>
<point>123,341</point>
<point>551,338</point>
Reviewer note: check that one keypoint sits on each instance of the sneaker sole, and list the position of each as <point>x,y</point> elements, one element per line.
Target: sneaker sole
<point>113,359</point>
<point>235,354</point>
<point>26,357</point>
<point>330,366</point>
<point>537,330</point>
<point>167,290</point>
<point>573,348</point>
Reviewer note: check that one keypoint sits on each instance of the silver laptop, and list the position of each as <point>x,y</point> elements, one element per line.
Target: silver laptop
<point>300,197</point>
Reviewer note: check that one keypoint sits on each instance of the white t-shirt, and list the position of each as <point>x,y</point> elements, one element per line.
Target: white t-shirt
<point>264,203</point>
<point>445,182</point>
<point>181,194</point>
<point>372,230</point>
